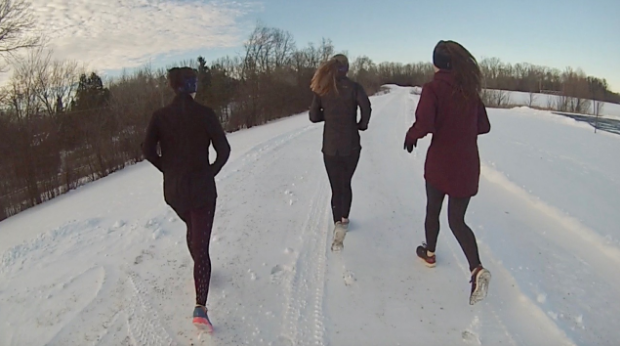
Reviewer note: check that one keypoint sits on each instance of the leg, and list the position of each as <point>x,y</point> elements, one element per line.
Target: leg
<point>202,225</point>
<point>457,207</point>
<point>434,201</point>
<point>188,223</point>
<point>347,191</point>
<point>334,172</point>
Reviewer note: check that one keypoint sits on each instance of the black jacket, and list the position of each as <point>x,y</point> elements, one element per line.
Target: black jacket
<point>339,112</point>
<point>184,130</point>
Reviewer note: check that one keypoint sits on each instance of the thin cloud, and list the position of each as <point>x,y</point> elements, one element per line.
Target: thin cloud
<point>113,34</point>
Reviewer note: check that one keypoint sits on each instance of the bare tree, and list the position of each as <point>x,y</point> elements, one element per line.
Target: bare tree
<point>576,89</point>
<point>491,69</point>
<point>532,96</point>
<point>16,26</point>
<point>499,98</point>
<point>53,82</point>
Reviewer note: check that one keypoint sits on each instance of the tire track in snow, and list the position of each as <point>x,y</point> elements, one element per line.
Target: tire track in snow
<point>303,319</point>
<point>256,153</point>
<point>143,322</point>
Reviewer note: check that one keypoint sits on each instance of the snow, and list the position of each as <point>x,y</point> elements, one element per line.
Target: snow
<point>547,101</point>
<point>107,264</point>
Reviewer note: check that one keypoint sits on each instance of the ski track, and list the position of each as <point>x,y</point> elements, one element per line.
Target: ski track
<point>134,277</point>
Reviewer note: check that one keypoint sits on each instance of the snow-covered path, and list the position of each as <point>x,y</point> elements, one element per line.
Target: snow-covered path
<point>108,264</point>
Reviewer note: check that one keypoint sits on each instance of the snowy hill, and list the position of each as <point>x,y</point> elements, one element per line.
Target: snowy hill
<point>546,101</point>
<point>107,264</point>
<point>511,99</point>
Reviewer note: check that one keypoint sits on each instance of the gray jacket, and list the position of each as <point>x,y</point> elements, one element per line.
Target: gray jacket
<point>339,112</point>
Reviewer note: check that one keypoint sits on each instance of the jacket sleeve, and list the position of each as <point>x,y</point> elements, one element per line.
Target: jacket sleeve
<point>149,146</point>
<point>316,110</point>
<point>425,115</point>
<point>365,107</point>
<point>484,126</point>
<point>220,143</point>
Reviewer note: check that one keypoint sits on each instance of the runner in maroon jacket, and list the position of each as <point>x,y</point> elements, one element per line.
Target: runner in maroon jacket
<point>184,130</point>
<point>451,110</point>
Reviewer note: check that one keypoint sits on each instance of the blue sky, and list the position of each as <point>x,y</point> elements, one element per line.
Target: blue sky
<point>555,33</point>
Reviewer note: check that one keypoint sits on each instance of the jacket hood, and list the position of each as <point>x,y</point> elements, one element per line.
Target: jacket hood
<point>445,76</point>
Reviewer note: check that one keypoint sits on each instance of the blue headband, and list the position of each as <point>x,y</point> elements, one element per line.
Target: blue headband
<point>190,85</point>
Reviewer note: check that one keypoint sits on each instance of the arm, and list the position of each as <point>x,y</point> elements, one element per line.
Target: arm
<point>149,146</point>
<point>365,107</point>
<point>484,126</point>
<point>220,143</point>
<point>425,115</point>
<point>316,110</point>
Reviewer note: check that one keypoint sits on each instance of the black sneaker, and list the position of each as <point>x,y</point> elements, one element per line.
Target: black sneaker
<point>429,260</point>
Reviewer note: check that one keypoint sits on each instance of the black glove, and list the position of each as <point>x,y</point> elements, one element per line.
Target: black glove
<point>409,146</point>
<point>362,127</point>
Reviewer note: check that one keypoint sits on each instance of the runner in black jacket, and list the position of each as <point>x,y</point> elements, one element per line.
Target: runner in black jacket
<point>184,131</point>
<point>336,100</point>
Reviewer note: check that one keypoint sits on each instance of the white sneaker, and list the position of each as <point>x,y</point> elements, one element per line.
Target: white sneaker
<point>480,279</point>
<point>340,232</point>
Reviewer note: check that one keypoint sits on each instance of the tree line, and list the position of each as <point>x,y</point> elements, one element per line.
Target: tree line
<point>62,126</point>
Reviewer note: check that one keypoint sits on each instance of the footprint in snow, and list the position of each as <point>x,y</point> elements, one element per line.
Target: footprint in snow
<point>278,272</point>
<point>470,337</point>
<point>283,341</point>
<point>118,224</point>
<point>151,223</point>
<point>253,275</point>
<point>349,278</point>
<point>541,298</point>
<point>158,233</point>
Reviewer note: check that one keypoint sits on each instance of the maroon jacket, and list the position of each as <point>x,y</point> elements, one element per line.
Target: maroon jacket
<point>452,162</point>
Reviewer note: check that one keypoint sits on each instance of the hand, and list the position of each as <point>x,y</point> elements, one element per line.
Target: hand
<point>409,145</point>
<point>362,127</point>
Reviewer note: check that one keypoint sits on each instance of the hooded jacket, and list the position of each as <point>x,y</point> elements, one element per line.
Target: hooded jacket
<point>184,131</point>
<point>452,162</point>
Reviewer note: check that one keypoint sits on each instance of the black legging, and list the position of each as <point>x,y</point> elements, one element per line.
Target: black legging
<point>199,225</point>
<point>340,170</point>
<point>457,207</point>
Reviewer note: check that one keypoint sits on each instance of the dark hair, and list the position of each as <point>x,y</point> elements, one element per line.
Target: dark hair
<point>182,79</point>
<point>454,57</point>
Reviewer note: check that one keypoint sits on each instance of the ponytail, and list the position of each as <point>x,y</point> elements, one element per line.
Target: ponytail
<point>325,78</point>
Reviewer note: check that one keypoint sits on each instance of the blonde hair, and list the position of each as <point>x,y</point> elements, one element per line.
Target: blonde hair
<point>324,79</point>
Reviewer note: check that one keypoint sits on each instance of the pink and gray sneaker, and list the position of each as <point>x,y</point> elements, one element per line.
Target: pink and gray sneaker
<point>480,278</point>
<point>201,320</point>
<point>427,257</point>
